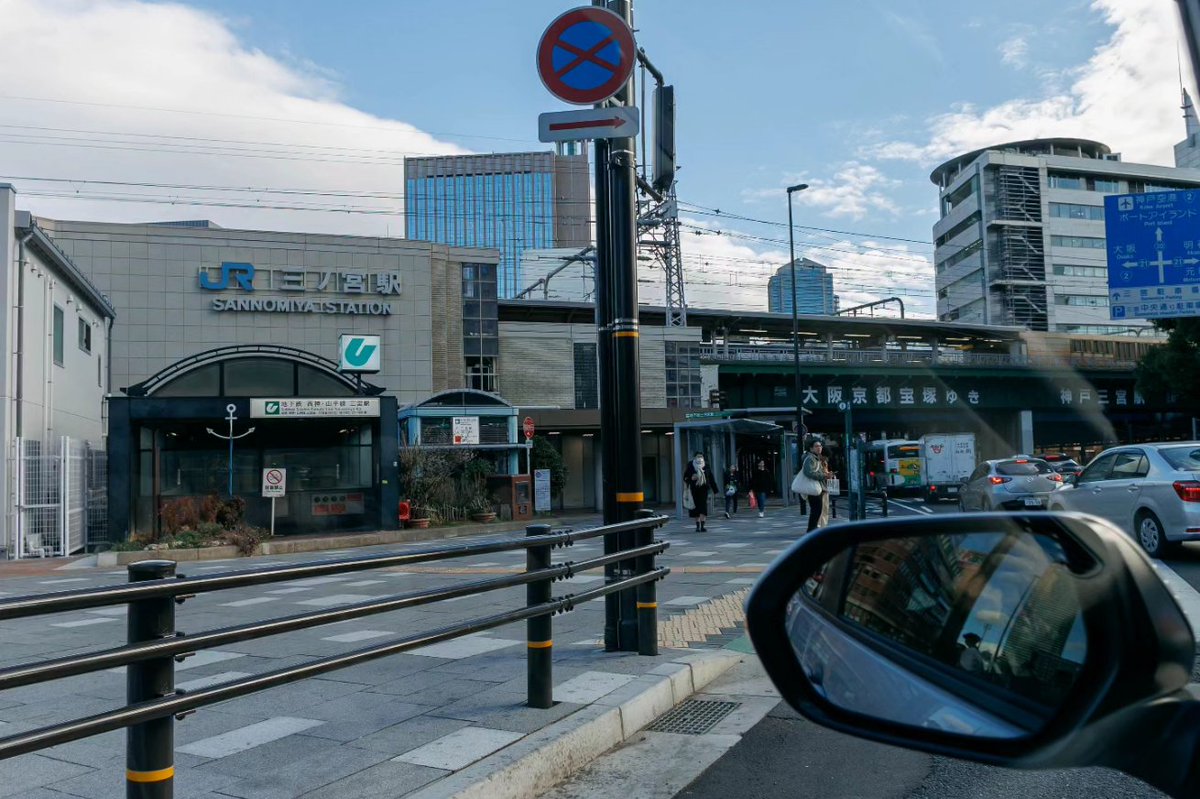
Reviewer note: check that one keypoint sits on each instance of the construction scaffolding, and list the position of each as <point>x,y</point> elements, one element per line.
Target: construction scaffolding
<point>1017,271</point>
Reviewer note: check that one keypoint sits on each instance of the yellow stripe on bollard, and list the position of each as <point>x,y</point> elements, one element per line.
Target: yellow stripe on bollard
<point>150,776</point>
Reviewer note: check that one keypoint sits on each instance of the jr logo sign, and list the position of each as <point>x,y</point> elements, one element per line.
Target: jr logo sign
<point>232,273</point>
<point>359,353</point>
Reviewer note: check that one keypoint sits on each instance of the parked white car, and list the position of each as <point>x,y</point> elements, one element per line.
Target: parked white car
<point>1149,490</point>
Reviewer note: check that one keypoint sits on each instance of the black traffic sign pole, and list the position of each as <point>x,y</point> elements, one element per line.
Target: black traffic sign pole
<point>150,745</point>
<point>624,335</point>
<point>605,382</point>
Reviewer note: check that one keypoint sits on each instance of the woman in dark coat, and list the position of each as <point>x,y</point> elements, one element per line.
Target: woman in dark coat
<point>698,479</point>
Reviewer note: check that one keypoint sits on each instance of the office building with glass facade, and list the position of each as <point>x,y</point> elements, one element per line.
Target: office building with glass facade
<point>511,202</point>
<point>813,293</point>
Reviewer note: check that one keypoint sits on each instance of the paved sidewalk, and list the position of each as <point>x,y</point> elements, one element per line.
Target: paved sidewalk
<point>405,723</point>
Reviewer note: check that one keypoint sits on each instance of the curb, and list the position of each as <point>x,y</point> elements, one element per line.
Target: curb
<point>543,759</point>
<point>281,545</point>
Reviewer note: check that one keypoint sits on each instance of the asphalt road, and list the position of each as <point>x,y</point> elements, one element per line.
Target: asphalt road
<point>784,756</point>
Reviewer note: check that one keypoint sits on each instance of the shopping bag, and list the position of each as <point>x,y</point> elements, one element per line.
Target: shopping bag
<point>834,486</point>
<point>689,502</point>
<point>753,501</point>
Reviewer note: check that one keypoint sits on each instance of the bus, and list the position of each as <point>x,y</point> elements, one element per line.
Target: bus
<point>894,464</point>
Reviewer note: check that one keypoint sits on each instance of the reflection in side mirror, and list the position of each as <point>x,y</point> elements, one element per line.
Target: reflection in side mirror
<point>1070,479</point>
<point>977,634</point>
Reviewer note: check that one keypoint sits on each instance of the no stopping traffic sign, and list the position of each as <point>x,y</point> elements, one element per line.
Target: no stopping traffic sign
<point>586,55</point>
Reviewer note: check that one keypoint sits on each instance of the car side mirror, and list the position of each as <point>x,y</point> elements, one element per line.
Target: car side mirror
<point>993,637</point>
<point>1070,479</point>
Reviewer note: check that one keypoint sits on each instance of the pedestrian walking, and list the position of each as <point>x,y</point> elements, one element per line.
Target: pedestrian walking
<point>731,489</point>
<point>760,484</point>
<point>698,482</point>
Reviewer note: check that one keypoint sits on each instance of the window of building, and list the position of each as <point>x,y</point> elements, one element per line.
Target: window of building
<point>1106,186</point>
<point>1067,182</point>
<point>1074,270</point>
<point>1085,242</point>
<point>481,374</point>
<point>956,197</point>
<point>1076,211</point>
<point>85,335</point>
<point>586,377</point>
<point>258,377</point>
<point>100,371</point>
<point>1082,300</point>
<point>481,312</point>
<point>1149,187</point>
<point>961,255</point>
<point>683,374</point>
<point>962,226</point>
<point>59,335</point>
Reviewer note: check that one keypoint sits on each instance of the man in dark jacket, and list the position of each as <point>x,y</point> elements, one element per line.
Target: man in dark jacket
<point>760,483</point>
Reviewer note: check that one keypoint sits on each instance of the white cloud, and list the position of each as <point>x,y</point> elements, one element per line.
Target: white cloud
<point>854,191</point>
<point>1015,51</point>
<point>172,78</point>
<point>1126,95</point>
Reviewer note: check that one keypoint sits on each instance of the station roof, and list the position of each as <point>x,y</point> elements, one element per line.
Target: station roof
<point>765,324</point>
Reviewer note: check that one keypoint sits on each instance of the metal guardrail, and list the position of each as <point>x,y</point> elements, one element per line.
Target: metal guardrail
<point>878,357</point>
<point>154,645</point>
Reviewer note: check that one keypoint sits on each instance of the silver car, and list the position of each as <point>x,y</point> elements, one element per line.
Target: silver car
<point>1149,490</point>
<point>1009,484</point>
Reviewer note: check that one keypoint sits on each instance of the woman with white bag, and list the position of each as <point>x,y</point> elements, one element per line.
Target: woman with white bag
<point>810,482</point>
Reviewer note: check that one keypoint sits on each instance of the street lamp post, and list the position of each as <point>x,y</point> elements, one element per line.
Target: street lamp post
<point>795,314</point>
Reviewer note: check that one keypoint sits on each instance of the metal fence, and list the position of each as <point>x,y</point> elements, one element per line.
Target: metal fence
<point>153,704</point>
<point>57,497</point>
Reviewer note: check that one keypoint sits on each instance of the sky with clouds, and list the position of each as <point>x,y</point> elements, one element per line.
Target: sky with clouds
<point>279,114</point>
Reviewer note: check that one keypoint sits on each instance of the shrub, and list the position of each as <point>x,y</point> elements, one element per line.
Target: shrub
<point>231,512</point>
<point>246,538</point>
<point>178,515</point>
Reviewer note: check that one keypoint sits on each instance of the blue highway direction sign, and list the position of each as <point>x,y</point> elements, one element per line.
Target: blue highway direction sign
<point>1153,254</point>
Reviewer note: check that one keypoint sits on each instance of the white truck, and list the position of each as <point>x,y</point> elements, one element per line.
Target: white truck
<point>946,460</point>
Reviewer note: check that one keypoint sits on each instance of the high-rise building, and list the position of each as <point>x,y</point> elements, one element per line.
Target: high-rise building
<point>813,293</point>
<point>508,201</point>
<point>1187,152</point>
<point>1021,236</point>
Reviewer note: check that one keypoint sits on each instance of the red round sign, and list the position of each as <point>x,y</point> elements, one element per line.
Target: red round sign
<point>586,55</point>
<point>528,427</point>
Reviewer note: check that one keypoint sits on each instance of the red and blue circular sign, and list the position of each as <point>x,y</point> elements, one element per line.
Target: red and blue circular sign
<point>586,55</point>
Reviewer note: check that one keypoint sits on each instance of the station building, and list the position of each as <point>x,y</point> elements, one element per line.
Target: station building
<point>219,323</point>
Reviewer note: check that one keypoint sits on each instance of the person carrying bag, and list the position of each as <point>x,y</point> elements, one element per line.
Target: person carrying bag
<point>810,482</point>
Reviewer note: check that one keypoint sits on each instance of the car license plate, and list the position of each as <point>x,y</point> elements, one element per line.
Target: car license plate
<point>1033,502</point>
<point>952,490</point>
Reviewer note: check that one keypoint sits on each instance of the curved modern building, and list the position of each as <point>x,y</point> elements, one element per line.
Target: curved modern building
<point>1021,239</point>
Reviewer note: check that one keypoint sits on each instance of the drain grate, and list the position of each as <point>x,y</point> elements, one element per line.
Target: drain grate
<point>693,717</point>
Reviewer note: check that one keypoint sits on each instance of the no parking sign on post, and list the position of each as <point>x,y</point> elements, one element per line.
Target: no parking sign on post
<point>274,485</point>
<point>586,55</point>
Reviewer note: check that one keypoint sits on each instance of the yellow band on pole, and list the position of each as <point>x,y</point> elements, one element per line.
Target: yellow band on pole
<point>626,334</point>
<point>632,496</point>
<point>646,605</point>
<point>540,644</point>
<point>150,776</point>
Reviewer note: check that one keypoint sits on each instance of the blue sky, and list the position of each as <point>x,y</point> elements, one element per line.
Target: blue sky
<point>860,99</point>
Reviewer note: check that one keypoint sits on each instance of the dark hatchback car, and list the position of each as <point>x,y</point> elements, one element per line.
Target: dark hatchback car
<point>1064,464</point>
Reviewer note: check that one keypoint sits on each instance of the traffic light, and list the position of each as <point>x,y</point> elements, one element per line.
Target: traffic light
<point>716,399</point>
